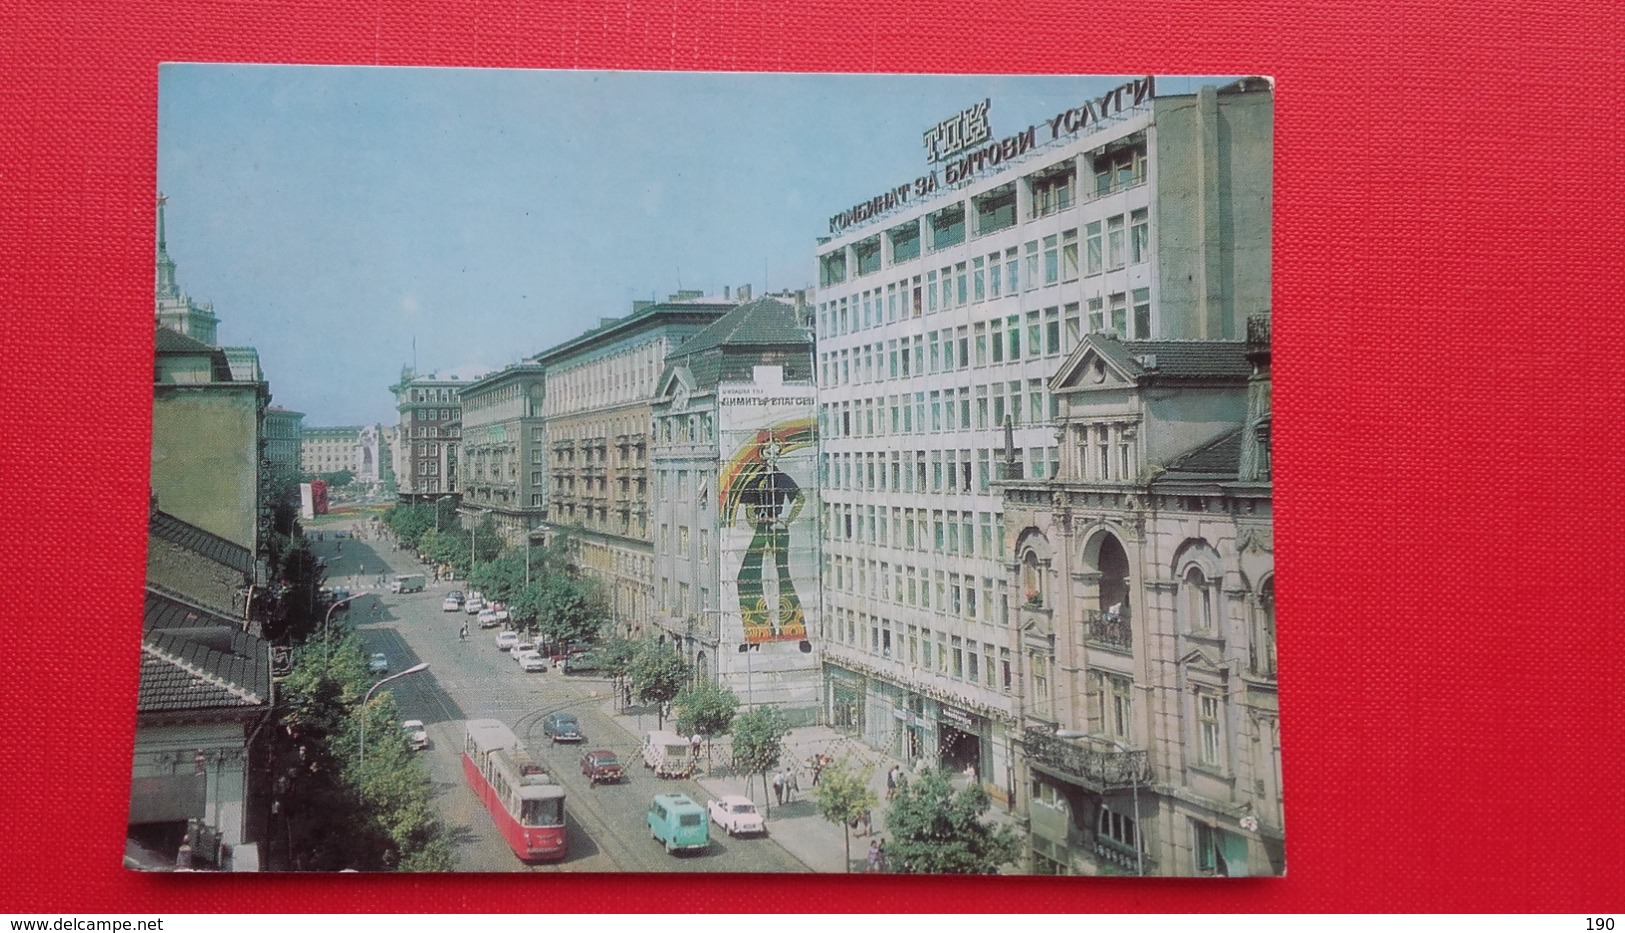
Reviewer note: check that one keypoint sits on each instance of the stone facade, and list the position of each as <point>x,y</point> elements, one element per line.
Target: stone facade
<point>430,431</point>
<point>598,390</point>
<point>504,458</point>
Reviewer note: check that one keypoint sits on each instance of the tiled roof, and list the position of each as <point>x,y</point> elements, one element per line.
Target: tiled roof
<point>1217,458</point>
<point>161,524</point>
<point>195,660</point>
<point>757,323</point>
<point>173,341</point>
<point>1178,359</point>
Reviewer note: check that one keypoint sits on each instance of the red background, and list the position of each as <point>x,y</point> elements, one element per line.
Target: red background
<point>1448,328</point>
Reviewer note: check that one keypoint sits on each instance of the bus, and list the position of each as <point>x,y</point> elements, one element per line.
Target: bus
<point>525,802</point>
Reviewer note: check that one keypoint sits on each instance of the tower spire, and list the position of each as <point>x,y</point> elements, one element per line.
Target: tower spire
<point>166,287</point>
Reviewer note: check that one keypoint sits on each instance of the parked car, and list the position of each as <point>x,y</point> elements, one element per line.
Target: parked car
<point>736,814</point>
<point>488,619</point>
<point>530,662</point>
<point>525,644</point>
<point>580,663</point>
<point>417,736</point>
<point>562,727</point>
<point>602,767</point>
<point>474,606</point>
<point>378,663</point>
<point>506,641</point>
<point>502,612</point>
<point>451,603</point>
<point>677,822</point>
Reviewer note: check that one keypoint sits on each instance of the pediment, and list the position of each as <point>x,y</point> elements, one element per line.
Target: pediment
<point>1201,659</point>
<point>677,380</point>
<point>1099,362</point>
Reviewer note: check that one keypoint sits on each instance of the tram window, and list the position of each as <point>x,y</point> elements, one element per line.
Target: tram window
<point>544,812</point>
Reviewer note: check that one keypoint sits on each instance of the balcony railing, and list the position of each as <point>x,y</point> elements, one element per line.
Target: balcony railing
<point>1108,630</point>
<point>1090,762</point>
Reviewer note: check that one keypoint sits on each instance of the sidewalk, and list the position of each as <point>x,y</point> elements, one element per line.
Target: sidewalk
<point>795,825</point>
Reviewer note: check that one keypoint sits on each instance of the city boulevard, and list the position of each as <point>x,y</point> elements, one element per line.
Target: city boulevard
<point>473,680</point>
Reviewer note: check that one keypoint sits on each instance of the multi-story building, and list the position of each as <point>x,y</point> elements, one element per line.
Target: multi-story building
<point>431,419</point>
<point>206,431</point>
<point>504,456</point>
<point>598,390</point>
<point>1147,621</point>
<point>284,431</point>
<point>943,309</point>
<point>735,507</point>
<point>356,448</point>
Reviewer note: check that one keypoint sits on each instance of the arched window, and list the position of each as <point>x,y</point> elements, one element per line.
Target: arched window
<point>1198,601</point>
<point>1032,579</point>
<point>1263,650</point>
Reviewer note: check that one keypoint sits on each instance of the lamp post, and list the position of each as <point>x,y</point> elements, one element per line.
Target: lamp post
<point>327,622</point>
<point>1134,785</point>
<point>368,698</point>
<point>750,698</point>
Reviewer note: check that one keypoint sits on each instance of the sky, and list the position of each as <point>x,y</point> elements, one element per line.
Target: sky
<point>348,222</point>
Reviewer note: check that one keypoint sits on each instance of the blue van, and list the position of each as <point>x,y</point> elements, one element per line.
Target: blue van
<point>677,822</point>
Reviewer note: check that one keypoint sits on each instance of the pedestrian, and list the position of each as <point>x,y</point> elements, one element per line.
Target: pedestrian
<point>778,786</point>
<point>694,746</point>
<point>462,633</point>
<point>872,864</point>
<point>891,781</point>
<point>817,768</point>
<point>880,860</point>
<point>792,786</point>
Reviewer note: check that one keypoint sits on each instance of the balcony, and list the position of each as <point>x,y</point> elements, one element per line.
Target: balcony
<point>1108,630</point>
<point>1095,764</point>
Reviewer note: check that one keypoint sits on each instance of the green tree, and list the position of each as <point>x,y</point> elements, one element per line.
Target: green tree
<point>705,708</point>
<point>614,656</point>
<point>758,743</point>
<point>337,812</point>
<point>570,609</point>
<point>502,578</point>
<point>843,796</point>
<point>937,830</point>
<point>659,673</point>
<point>337,479</point>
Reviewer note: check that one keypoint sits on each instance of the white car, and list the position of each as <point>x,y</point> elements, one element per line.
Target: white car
<point>737,815</point>
<point>507,640</point>
<point>416,735</point>
<point>502,614</point>
<point>488,619</point>
<point>530,662</point>
<point>451,604</point>
<point>525,644</point>
<point>474,606</point>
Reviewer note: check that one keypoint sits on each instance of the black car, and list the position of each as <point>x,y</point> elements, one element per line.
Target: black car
<point>562,727</point>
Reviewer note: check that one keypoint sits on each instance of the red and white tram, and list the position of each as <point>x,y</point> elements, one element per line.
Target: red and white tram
<point>526,803</point>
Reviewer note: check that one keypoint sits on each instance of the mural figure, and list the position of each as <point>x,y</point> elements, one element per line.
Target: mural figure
<point>768,498</point>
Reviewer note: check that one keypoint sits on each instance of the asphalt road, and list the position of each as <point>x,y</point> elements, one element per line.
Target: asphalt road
<point>473,680</point>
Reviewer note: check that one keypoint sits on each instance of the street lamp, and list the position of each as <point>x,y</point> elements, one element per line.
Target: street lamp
<point>744,649</point>
<point>326,622</point>
<point>368,698</point>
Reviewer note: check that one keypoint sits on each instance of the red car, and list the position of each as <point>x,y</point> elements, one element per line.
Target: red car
<point>601,767</point>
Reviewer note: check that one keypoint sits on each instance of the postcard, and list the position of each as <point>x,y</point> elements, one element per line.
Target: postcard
<point>696,472</point>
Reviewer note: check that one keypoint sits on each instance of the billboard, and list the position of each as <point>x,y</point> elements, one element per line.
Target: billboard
<point>768,494</point>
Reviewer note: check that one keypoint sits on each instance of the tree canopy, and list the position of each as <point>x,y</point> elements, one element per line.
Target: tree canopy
<point>938,830</point>
<point>758,741</point>
<point>705,708</point>
<point>659,674</point>
<point>843,796</point>
<point>339,813</point>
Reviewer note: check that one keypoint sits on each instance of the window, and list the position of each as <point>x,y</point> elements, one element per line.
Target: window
<point>1052,331</point>
<point>1069,255</point>
<point>1114,242</point>
<point>1198,601</point>
<point>1097,315</point>
<point>947,227</point>
<point>1118,712</point>
<point>1117,828</point>
<point>1119,310</point>
<point>996,209</point>
<point>978,278</point>
<point>867,253</point>
<point>1142,314</point>
<point>1092,248</point>
<point>1052,190</point>
<point>905,241</point>
<point>1052,260</point>
<point>1139,247</point>
<point>1120,170</point>
<point>832,268</point>
<point>1032,265</point>
<point>1209,744</point>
